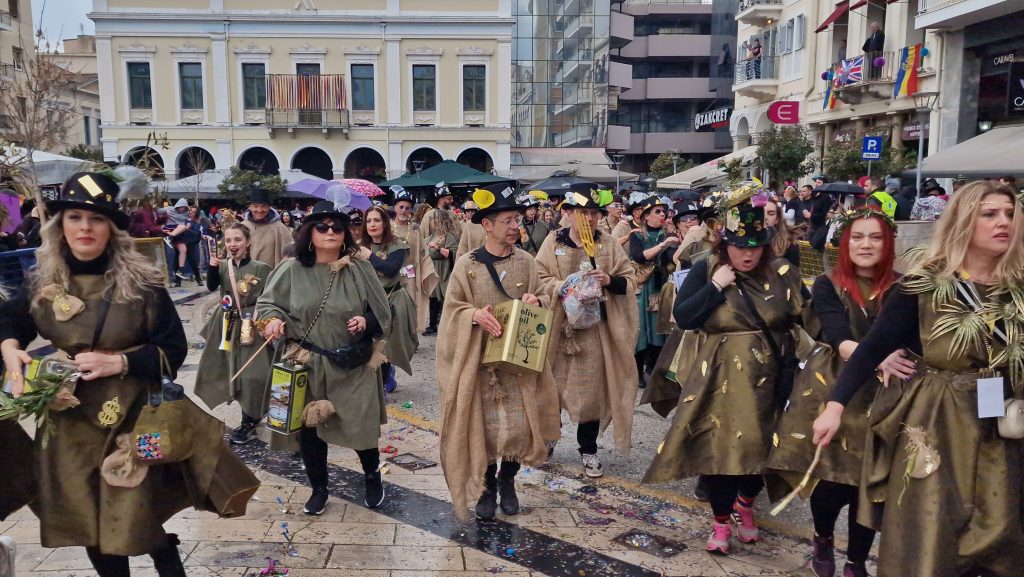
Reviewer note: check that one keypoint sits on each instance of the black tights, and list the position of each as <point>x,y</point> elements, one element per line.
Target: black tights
<point>827,501</point>
<point>314,457</point>
<point>724,489</point>
<point>586,436</point>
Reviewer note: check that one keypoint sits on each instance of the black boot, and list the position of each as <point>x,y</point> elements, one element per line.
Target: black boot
<point>435,312</point>
<point>374,490</point>
<point>487,506</point>
<point>507,487</point>
<point>108,565</point>
<point>167,561</point>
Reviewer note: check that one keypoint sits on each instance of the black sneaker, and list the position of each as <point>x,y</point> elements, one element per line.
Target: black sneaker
<point>180,275</point>
<point>316,503</point>
<point>431,331</point>
<point>374,490</point>
<point>245,433</point>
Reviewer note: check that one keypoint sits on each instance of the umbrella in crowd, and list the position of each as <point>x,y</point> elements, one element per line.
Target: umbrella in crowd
<point>839,188</point>
<point>562,183</point>
<point>340,192</point>
<point>364,187</point>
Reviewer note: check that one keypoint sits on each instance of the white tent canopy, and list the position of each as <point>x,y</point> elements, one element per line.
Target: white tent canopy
<point>708,174</point>
<point>205,183</point>
<point>50,169</point>
<point>598,173</point>
<point>990,154</point>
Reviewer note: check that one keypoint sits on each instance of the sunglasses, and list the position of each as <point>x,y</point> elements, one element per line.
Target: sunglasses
<point>659,211</point>
<point>688,217</point>
<point>614,206</point>
<point>468,210</point>
<point>323,227</point>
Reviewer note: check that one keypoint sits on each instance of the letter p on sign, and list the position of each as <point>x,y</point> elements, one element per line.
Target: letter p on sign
<point>872,148</point>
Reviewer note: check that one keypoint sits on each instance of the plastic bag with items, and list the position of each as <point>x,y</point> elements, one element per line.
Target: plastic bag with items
<point>581,297</point>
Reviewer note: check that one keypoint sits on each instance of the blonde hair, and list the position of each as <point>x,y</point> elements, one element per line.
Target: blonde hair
<point>783,237</point>
<point>127,275</point>
<point>441,223</point>
<point>955,228</point>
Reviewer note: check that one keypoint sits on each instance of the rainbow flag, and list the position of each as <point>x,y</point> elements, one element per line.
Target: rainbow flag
<point>830,91</point>
<point>906,77</point>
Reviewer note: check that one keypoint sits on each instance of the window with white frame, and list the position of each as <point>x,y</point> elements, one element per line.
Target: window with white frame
<point>474,88</point>
<point>190,75</point>
<point>254,85</point>
<point>140,85</point>
<point>800,33</point>
<point>786,37</point>
<point>362,87</point>
<point>424,88</point>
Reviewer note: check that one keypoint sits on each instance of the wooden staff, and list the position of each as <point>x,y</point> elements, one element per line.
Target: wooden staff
<point>251,359</point>
<point>803,483</point>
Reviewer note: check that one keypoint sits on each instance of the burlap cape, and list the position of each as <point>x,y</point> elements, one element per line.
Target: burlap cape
<point>473,237</point>
<point>466,388</point>
<point>269,240</point>
<point>606,347</point>
<point>420,287</point>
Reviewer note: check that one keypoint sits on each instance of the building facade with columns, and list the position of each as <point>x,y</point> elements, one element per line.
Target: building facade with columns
<point>840,63</point>
<point>336,88</point>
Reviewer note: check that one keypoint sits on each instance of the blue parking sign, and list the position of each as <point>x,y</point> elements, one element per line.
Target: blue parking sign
<point>872,148</point>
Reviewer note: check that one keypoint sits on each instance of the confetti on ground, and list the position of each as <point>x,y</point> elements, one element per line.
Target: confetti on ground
<point>648,543</point>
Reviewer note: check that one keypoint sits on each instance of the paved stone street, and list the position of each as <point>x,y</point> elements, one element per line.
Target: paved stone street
<point>569,527</point>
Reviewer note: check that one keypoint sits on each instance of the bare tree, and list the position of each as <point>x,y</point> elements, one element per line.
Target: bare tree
<point>198,162</point>
<point>38,108</point>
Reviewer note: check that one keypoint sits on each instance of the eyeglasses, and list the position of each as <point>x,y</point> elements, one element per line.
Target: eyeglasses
<point>323,227</point>
<point>688,217</point>
<point>659,211</point>
<point>616,205</point>
<point>468,210</point>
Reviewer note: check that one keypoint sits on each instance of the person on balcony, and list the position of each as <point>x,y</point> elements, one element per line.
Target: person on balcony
<point>873,47</point>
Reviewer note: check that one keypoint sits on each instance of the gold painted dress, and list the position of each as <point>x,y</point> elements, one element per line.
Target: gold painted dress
<point>726,416</point>
<point>593,367</point>
<point>841,462</point>
<point>966,511</point>
<point>217,366</point>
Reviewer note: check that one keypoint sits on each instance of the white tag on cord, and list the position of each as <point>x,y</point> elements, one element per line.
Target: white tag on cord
<point>501,276</point>
<point>990,398</point>
<point>559,252</point>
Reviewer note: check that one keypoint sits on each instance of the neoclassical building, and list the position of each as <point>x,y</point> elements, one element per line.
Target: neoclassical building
<point>336,88</point>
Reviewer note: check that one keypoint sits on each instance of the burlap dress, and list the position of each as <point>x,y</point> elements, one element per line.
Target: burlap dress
<point>75,507</point>
<point>403,338</point>
<point>968,512</point>
<point>421,286</point>
<point>488,414</point>
<point>443,265</point>
<point>216,367</point>
<point>793,446</point>
<point>593,367</point>
<point>294,293</point>
<point>727,413</point>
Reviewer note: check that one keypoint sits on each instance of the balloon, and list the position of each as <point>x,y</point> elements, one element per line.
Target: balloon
<point>824,75</point>
<point>924,51</point>
<point>337,194</point>
<point>879,62</point>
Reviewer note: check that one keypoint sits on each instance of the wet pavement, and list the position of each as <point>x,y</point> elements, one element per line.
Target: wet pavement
<point>570,526</point>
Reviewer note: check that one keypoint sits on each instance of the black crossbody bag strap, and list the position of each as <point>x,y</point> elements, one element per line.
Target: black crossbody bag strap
<point>98,331</point>
<point>481,255</point>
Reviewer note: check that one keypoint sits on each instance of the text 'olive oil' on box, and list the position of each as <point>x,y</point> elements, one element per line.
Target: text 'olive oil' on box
<point>288,384</point>
<point>523,344</point>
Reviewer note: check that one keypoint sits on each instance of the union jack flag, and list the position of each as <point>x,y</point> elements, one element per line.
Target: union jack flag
<point>852,70</point>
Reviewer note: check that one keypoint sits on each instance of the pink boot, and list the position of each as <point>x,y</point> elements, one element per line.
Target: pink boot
<point>746,529</point>
<point>718,544</point>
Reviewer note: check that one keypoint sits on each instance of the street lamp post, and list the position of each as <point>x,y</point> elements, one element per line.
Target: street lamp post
<point>924,102</point>
<point>617,160</point>
<point>675,159</point>
<point>417,166</point>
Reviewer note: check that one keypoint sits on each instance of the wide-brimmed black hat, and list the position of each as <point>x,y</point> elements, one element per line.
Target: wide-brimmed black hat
<point>653,201</point>
<point>597,199</point>
<point>259,196</point>
<point>91,191</point>
<point>495,199</point>
<point>399,193</point>
<point>743,226</point>
<point>685,207</point>
<point>635,200</point>
<point>326,209</point>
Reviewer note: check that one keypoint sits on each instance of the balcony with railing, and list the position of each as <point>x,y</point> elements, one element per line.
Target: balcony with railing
<point>758,12</point>
<point>306,101</point>
<point>872,74</point>
<point>757,77</point>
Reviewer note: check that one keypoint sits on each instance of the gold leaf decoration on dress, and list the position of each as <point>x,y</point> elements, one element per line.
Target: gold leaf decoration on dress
<point>820,377</point>
<point>717,423</point>
<point>661,446</point>
<point>807,393</point>
<point>768,297</point>
<point>775,439</point>
<point>725,386</point>
<point>798,436</point>
<point>761,381</point>
<point>739,364</point>
<point>704,368</point>
<point>757,355</point>
<point>922,458</point>
<point>844,444</point>
<point>783,269</point>
<point>789,294</point>
<point>689,398</point>
<point>739,434</point>
<point>767,287</point>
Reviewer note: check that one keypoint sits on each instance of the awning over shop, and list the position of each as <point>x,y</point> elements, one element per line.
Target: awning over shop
<point>601,174</point>
<point>707,174</point>
<point>204,185</point>
<point>835,15</point>
<point>992,154</point>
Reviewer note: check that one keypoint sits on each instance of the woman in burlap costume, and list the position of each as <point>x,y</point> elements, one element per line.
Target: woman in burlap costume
<point>242,279</point>
<point>487,414</point>
<point>724,423</point>
<point>940,483</point>
<point>328,297</point>
<point>442,238</point>
<point>101,304</point>
<point>387,254</point>
<point>845,303</point>
<point>421,284</point>
<point>593,366</point>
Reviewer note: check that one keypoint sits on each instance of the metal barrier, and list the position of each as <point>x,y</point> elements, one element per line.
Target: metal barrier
<point>814,263</point>
<point>15,264</point>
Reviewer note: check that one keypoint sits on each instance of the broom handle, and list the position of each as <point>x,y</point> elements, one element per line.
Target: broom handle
<point>803,483</point>
<point>251,359</point>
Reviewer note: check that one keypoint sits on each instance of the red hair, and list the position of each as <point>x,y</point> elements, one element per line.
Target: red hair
<point>844,275</point>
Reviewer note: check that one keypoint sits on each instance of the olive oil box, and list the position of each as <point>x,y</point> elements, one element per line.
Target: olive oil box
<point>288,384</point>
<point>523,345</point>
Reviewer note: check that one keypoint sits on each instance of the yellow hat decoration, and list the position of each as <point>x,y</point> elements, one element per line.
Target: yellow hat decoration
<point>483,198</point>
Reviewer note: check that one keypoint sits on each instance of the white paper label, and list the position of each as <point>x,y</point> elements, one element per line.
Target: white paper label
<point>990,398</point>
<point>679,276</point>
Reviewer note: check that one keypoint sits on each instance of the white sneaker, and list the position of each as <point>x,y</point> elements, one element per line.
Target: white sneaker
<point>592,466</point>
<point>7,553</point>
